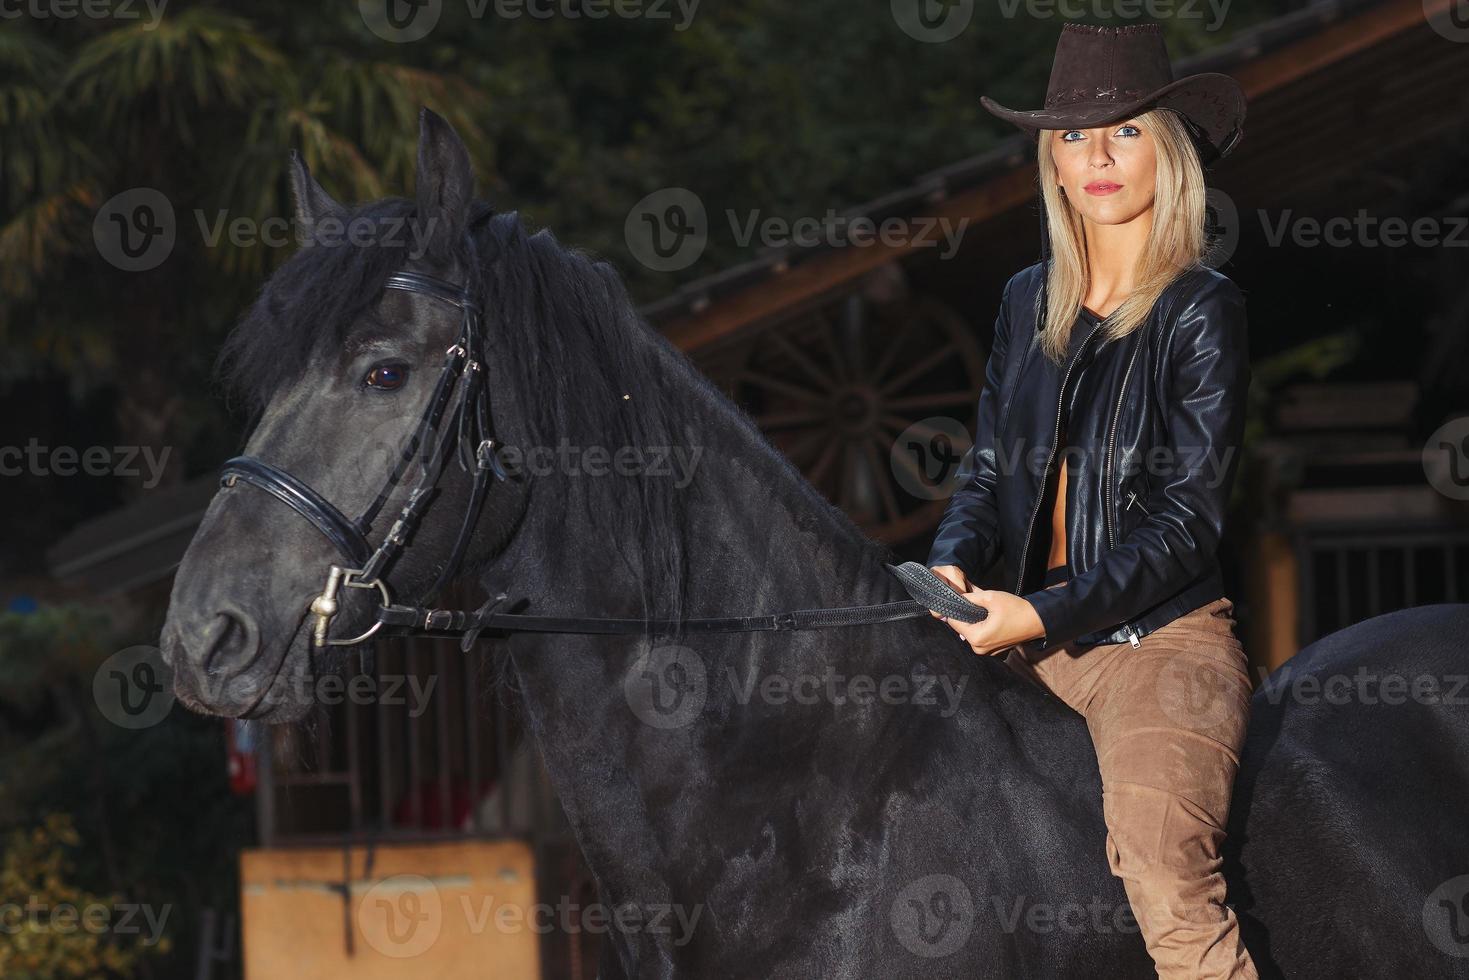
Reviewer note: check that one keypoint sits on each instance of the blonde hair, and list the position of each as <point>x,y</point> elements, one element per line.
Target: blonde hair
<point>1175,245</point>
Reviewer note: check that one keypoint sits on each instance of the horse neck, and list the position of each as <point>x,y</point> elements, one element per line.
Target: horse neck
<point>758,540</point>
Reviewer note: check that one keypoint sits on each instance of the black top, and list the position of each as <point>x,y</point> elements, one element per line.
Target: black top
<point>1086,321</point>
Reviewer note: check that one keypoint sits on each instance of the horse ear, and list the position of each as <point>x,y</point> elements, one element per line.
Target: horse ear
<point>312,202</point>
<point>445,178</point>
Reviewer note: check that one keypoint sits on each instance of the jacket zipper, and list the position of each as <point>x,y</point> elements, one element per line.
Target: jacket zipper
<point>1045,471</point>
<point>1127,628</point>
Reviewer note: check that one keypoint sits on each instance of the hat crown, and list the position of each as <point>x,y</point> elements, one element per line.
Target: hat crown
<point>1107,64</point>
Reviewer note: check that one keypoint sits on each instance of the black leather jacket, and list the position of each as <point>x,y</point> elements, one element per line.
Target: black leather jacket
<point>1157,429</point>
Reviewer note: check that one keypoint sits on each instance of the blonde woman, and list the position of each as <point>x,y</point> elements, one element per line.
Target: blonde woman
<point>1108,437</point>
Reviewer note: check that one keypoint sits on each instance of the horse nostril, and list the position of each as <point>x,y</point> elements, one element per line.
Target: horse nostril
<point>231,643</point>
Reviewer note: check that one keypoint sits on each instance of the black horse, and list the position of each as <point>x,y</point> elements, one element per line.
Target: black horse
<point>868,801</point>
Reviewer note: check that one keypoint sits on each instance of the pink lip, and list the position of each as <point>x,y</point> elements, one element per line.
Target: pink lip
<point>1101,187</point>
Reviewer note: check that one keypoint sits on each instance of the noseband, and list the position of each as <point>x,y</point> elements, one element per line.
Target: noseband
<point>467,435</point>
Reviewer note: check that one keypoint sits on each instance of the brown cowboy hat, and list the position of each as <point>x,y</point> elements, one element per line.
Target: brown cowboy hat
<point>1105,74</point>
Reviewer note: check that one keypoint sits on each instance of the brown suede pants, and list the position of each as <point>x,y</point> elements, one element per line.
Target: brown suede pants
<point>1168,720</point>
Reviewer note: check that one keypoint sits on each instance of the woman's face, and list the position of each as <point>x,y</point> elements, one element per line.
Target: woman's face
<point>1108,173</point>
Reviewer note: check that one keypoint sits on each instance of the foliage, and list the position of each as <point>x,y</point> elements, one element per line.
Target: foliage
<point>55,928</point>
<point>150,818</point>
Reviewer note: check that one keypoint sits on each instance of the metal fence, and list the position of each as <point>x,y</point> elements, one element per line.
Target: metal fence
<point>426,746</point>
<point>1352,573</point>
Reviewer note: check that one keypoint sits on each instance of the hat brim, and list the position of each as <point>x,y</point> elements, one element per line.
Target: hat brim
<point>1213,102</point>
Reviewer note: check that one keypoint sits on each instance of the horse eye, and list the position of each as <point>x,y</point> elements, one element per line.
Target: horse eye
<point>386,377</point>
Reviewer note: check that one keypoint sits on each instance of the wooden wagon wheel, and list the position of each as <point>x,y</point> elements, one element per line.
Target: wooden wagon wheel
<point>833,390</point>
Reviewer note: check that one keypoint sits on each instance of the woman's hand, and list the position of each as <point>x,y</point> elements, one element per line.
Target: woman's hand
<point>1011,619</point>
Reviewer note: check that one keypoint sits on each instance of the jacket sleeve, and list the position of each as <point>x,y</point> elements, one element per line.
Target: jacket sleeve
<point>1207,380</point>
<point>968,534</point>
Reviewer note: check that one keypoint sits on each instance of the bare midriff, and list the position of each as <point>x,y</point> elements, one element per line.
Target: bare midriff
<point>1058,517</point>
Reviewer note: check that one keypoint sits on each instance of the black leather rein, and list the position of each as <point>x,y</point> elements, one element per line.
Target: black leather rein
<point>467,435</point>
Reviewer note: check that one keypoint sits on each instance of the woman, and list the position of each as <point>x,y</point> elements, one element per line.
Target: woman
<point>1123,349</point>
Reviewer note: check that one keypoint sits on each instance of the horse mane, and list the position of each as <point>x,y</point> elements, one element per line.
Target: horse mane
<point>579,346</point>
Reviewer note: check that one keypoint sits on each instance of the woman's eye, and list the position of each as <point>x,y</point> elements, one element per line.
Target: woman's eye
<point>386,377</point>
<point>1124,131</point>
<point>1066,136</point>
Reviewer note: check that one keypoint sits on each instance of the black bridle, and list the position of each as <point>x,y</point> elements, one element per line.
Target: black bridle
<point>468,436</point>
<point>461,384</point>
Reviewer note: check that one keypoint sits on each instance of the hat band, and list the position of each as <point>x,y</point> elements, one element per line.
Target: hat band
<point>1073,96</point>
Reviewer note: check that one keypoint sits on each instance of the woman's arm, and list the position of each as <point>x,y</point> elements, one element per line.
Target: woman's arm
<point>1208,377</point>
<point>968,534</point>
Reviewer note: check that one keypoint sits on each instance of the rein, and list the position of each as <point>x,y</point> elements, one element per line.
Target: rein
<point>467,436</point>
